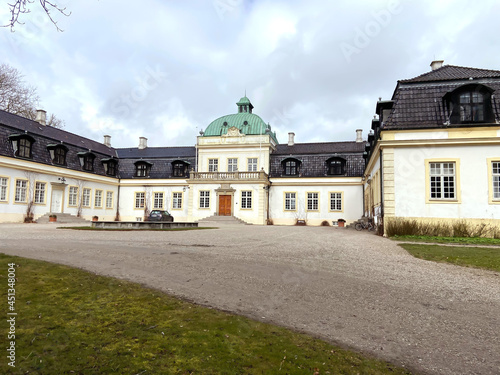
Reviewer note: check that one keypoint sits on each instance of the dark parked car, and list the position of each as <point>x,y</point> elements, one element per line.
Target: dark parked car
<point>159,215</point>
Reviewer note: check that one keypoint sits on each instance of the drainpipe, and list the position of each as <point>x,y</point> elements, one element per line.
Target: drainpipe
<point>382,189</point>
<point>117,217</point>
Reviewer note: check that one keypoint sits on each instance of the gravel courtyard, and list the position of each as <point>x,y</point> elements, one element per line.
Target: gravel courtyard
<point>352,288</point>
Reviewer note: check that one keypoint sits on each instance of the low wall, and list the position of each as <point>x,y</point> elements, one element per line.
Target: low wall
<point>141,224</point>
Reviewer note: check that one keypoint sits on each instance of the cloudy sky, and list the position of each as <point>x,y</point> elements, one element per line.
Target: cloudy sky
<point>166,69</point>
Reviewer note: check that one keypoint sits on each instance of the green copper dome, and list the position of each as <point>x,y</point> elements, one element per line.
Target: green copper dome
<point>244,120</point>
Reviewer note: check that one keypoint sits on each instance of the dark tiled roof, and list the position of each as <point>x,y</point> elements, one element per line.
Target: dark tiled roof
<point>313,158</point>
<point>160,167</point>
<point>156,152</point>
<point>45,136</point>
<point>419,104</point>
<point>319,148</point>
<point>451,72</point>
<point>58,135</point>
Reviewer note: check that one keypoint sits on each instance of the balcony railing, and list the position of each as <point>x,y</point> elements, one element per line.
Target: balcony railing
<point>225,176</point>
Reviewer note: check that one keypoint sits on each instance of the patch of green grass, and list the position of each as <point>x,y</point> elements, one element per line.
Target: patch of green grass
<point>72,321</point>
<point>479,257</point>
<point>461,240</point>
<point>132,229</point>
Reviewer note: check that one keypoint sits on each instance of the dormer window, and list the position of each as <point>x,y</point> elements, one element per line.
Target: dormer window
<point>58,153</point>
<point>87,161</point>
<point>22,144</point>
<point>336,166</point>
<point>469,104</point>
<point>110,166</point>
<point>179,168</point>
<point>142,169</point>
<point>291,167</point>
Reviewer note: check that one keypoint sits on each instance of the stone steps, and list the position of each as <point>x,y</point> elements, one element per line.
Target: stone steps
<point>62,219</point>
<point>222,220</point>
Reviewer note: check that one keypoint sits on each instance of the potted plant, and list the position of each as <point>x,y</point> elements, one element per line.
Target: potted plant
<point>95,218</point>
<point>52,218</point>
<point>341,223</point>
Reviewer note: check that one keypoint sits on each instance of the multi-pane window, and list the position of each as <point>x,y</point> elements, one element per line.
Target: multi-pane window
<point>21,190</point>
<point>335,201</point>
<point>291,167</point>
<point>24,149</point>
<point>246,199</point>
<point>59,156</point>
<point>252,164</point>
<point>98,198</point>
<point>86,197</point>
<point>496,179</point>
<point>88,162</point>
<point>312,201</point>
<point>158,201</point>
<point>73,196</point>
<point>109,199</point>
<point>141,170</point>
<point>471,107</point>
<point>140,199</point>
<point>179,169</point>
<point>442,180</point>
<point>111,168</point>
<point>232,165</point>
<point>40,192</point>
<point>3,188</point>
<point>213,165</point>
<point>177,201</point>
<point>290,201</point>
<point>204,199</point>
<point>336,166</point>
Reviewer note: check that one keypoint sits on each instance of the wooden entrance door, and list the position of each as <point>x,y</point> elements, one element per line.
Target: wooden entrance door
<point>224,205</point>
<point>56,204</point>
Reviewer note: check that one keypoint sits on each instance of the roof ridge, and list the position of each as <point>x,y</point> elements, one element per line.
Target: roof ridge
<point>437,74</point>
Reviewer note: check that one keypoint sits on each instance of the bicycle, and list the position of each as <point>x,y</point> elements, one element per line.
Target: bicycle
<point>365,225</point>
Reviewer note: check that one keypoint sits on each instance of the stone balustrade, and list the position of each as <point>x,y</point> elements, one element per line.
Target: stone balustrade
<point>228,176</point>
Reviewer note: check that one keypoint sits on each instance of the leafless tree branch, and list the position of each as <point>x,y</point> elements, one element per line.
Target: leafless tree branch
<point>20,7</point>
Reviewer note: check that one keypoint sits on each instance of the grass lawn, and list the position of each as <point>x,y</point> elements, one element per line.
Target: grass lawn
<point>479,257</point>
<point>457,240</point>
<point>74,322</point>
<point>129,230</point>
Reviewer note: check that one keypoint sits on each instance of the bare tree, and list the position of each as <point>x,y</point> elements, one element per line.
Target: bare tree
<point>30,198</point>
<point>20,99</point>
<point>20,7</point>
<point>147,201</point>
<point>80,184</point>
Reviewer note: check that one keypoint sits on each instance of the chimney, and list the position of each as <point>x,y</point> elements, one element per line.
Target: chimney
<point>436,64</point>
<point>359,135</point>
<point>41,117</point>
<point>291,140</point>
<point>143,143</point>
<point>107,140</point>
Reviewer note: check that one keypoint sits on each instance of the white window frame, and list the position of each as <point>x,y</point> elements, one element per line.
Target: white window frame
<point>98,198</point>
<point>109,199</point>
<point>290,201</point>
<point>40,192</point>
<point>73,196</point>
<point>158,200</point>
<point>443,181</point>
<point>246,199</point>
<point>204,199</point>
<point>312,201</point>
<point>336,201</point>
<point>177,201</point>
<point>140,200</point>
<point>21,191</point>
<point>4,189</point>
<point>86,195</point>
<point>232,164</point>
<point>213,165</point>
<point>252,164</point>
<point>495,179</point>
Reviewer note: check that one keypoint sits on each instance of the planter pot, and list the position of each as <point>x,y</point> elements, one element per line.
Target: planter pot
<point>341,224</point>
<point>95,218</point>
<point>52,219</point>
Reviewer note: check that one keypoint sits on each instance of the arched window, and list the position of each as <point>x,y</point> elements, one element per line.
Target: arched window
<point>336,166</point>
<point>291,167</point>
